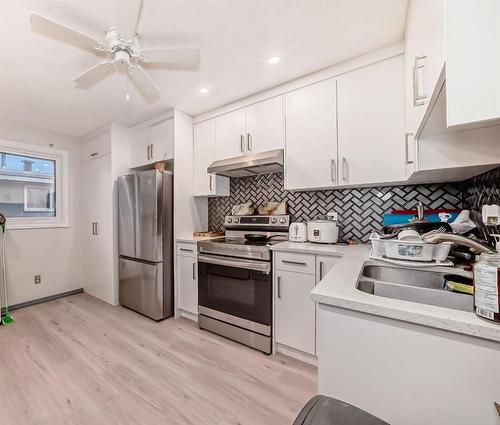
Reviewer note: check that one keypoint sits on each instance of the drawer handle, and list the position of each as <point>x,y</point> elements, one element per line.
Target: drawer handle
<point>185,250</point>
<point>320,270</point>
<point>279,287</point>
<point>295,263</point>
<point>194,271</point>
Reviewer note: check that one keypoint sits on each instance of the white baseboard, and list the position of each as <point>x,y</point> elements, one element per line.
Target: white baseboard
<point>296,354</point>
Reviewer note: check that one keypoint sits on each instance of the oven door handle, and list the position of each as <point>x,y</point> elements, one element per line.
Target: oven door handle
<point>261,266</point>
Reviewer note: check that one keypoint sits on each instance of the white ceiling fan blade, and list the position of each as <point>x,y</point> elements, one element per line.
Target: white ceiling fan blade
<point>178,58</point>
<point>144,83</point>
<point>127,15</point>
<point>62,32</point>
<point>95,74</point>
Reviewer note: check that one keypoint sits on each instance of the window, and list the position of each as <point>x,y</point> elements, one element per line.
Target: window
<point>32,185</point>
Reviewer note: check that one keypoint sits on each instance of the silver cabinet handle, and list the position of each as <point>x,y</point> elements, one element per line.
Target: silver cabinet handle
<point>279,287</point>
<point>185,250</point>
<point>242,143</point>
<point>249,142</point>
<point>344,168</point>
<point>194,271</point>
<point>211,182</point>
<point>94,154</point>
<point>333,170</point>
<point>295,263</point>
<point>151,150</point>
<point>320,270</point>
<point>407,156</point>
<point>147,152</point>
<point>418,98</point>
<point>96,228</point>
<point>93,228</point>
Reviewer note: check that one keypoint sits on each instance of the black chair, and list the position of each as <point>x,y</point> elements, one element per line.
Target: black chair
<point>323,410</point>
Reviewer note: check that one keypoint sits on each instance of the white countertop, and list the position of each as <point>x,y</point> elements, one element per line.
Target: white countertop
<point>310,248</point>
<point>338,288</point>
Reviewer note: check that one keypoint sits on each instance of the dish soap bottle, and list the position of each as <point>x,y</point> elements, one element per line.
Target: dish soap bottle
<point>487,287</point>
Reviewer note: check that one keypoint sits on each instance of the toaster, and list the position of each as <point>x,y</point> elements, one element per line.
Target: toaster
<point>298,232</point>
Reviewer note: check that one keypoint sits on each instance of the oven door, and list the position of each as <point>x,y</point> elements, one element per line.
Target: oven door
<point>236,291</point>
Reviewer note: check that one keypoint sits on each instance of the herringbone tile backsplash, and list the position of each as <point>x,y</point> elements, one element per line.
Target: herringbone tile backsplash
<point>360,210</point>
<point>480,190</point>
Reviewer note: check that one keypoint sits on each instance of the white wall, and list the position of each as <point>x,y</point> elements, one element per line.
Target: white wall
<point>55,253</point>
<point>191,214</point>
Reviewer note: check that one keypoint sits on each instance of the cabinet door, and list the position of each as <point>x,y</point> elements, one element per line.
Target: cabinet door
<point>295,322</point>
<point>162,141</point>
<point>472,62</point>
<point>230,130</point>
<point>424,57</point>
<point>324,263</point>
<point>203,155</point>
<point>187,284</point>
<point>371,138</point>
<point>140,147</point>
<point>311,137</point>
<point>98,246</point>
<point>265,126</point>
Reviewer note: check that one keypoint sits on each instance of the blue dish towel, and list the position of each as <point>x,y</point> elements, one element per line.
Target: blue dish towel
<point>407,218</point>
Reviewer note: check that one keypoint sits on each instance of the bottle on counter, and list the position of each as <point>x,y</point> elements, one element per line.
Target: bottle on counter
<point>487,287</point>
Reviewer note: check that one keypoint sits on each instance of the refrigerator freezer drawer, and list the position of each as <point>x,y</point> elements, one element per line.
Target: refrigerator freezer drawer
<point>141,288</point>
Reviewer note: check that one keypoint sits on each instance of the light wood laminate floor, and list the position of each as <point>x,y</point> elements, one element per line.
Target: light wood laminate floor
<point>77,360</point>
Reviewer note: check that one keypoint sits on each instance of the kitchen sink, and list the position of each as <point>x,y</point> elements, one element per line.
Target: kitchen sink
<point>415,285</point>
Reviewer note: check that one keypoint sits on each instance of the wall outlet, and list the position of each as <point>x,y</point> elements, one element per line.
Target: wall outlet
<point>38,279</point>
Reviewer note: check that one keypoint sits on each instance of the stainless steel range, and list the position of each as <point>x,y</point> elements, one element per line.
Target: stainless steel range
<point>235,279</point>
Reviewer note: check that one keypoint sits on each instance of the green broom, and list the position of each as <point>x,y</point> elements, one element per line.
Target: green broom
<point>7,319</point>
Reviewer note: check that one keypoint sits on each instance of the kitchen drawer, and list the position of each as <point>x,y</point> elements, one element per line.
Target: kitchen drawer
<point>96,147</point>
<point>294,262</point>
<point>187,249</point>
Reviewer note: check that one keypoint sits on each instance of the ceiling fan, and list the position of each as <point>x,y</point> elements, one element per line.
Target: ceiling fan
<point>122,47</point>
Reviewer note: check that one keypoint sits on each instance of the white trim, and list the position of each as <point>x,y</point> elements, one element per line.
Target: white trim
<point>349,65</point>
<point>61,158</point>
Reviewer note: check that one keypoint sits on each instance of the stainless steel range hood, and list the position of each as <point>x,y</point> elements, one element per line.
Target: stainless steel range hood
<point>249,165</point>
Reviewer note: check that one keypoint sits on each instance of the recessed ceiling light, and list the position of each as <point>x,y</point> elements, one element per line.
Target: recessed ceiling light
<point>274,59</point>
<point>204,91</point>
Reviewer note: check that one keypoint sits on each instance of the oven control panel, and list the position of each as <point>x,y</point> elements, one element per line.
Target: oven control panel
<point>252,221</point>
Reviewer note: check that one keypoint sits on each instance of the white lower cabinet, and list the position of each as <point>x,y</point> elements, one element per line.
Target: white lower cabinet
<point>295,276</point>
<point>187,283</point>
<point>324,263</point>
<point>295,319</point>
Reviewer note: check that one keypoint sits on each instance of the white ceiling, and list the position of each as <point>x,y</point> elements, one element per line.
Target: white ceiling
<point>236,37</point>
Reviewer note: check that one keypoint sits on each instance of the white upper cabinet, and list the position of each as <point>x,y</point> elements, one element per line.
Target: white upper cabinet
<point>371,140</point>
<point>162,140</point>
<point>152,143</point>
<point>473,61</point>
<point>265,126</point>
<point>311,137</point>
<point>230,134</point>
<point>204,154</point>
<point>424,57</point>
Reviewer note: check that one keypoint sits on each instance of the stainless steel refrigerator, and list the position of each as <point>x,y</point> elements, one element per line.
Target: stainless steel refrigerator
<point>145,220</point>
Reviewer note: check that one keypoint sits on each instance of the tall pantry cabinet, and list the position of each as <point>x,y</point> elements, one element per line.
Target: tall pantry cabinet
<point>105,157</point>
